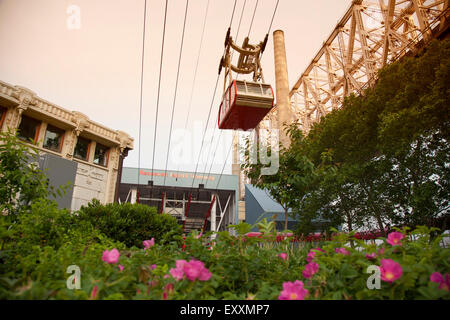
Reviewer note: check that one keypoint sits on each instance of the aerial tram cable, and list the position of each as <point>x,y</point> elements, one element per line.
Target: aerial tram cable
<point>214,131</point>
<point>159,87</point>
<point>220,132</point>
<point>210,108</point>
<point>251,23</point>
<point>195,71</point>
<point>249,29</point>
<point>203,139</point>
<point>270,26</point>
<point>240,19</point>
<point>217,185</point>
<point>273,16</point>
<point>220,67</point>
<point>223,168</point>
<point>218,76</point>
<point>214,94</point>
<point>176,88</point>
<point>141,93</point>
<point>214,154</point>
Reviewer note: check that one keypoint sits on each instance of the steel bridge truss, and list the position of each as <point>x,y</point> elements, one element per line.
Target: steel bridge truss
<point>370,35</point>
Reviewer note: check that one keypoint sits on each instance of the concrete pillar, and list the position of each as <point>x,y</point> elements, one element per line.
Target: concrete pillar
<point>213,213</point>
<point>41,134</point>
<point>91,149</point>
<point>282,85</point>
<point>133,196</point>
<point>235,166</point>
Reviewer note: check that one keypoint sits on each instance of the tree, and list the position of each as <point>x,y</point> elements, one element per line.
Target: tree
<point>284,186</point>
<point>380,160</point>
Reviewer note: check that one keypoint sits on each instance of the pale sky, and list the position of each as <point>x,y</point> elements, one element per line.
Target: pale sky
<point>96,69</point>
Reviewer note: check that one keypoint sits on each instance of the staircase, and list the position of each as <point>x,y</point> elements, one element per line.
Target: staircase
<point>192,224</point>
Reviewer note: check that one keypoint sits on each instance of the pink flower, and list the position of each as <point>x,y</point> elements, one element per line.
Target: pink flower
<point>293,291</point>
<point>444,282</point>
<point>342,251</point>
<point>168,289</point>
<point>371,256</point>
<point>193,270</point>
<point>94,293</point>
<point>153,266</point>
<point>253,234</point>
<point>148,243</point>
<point>390,270</point>
<point>111,256</point>
<point>310,256</point>
<point>394,238</point>
<point>310,269</point>
<point>120,267</point>
<point>284,256</point>
<point>178,272</point>
<point>381,251</point>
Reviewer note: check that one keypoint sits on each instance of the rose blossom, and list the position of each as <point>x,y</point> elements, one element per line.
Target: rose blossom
<point>293,291</point>
<point>148,243</point>
<point>342,251</point>
<point>444,282</point>
<point>284,256</point>
<point>390,270</point>
<point>193,270</point>
<point>111,256</point>
<point>394,238</point>
<point>371,256</point>
<point>310,256</point>
<point>310,269</point>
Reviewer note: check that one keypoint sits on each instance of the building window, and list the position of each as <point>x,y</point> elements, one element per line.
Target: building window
<point>53,138</point>
<point>29,129</point>
<point>101,155</point>
<point>82,149</point>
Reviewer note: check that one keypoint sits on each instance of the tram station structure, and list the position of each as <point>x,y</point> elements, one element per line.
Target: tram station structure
<point>202,202</point>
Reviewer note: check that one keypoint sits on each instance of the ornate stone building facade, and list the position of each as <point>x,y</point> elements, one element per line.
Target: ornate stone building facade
<point>99,151</point>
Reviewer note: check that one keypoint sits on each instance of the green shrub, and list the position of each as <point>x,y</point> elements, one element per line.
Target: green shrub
<point>43,228</point>
<point>21,181</point>
<point>39,242</point>
<point>240,267</point>
<point>131,223</point>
